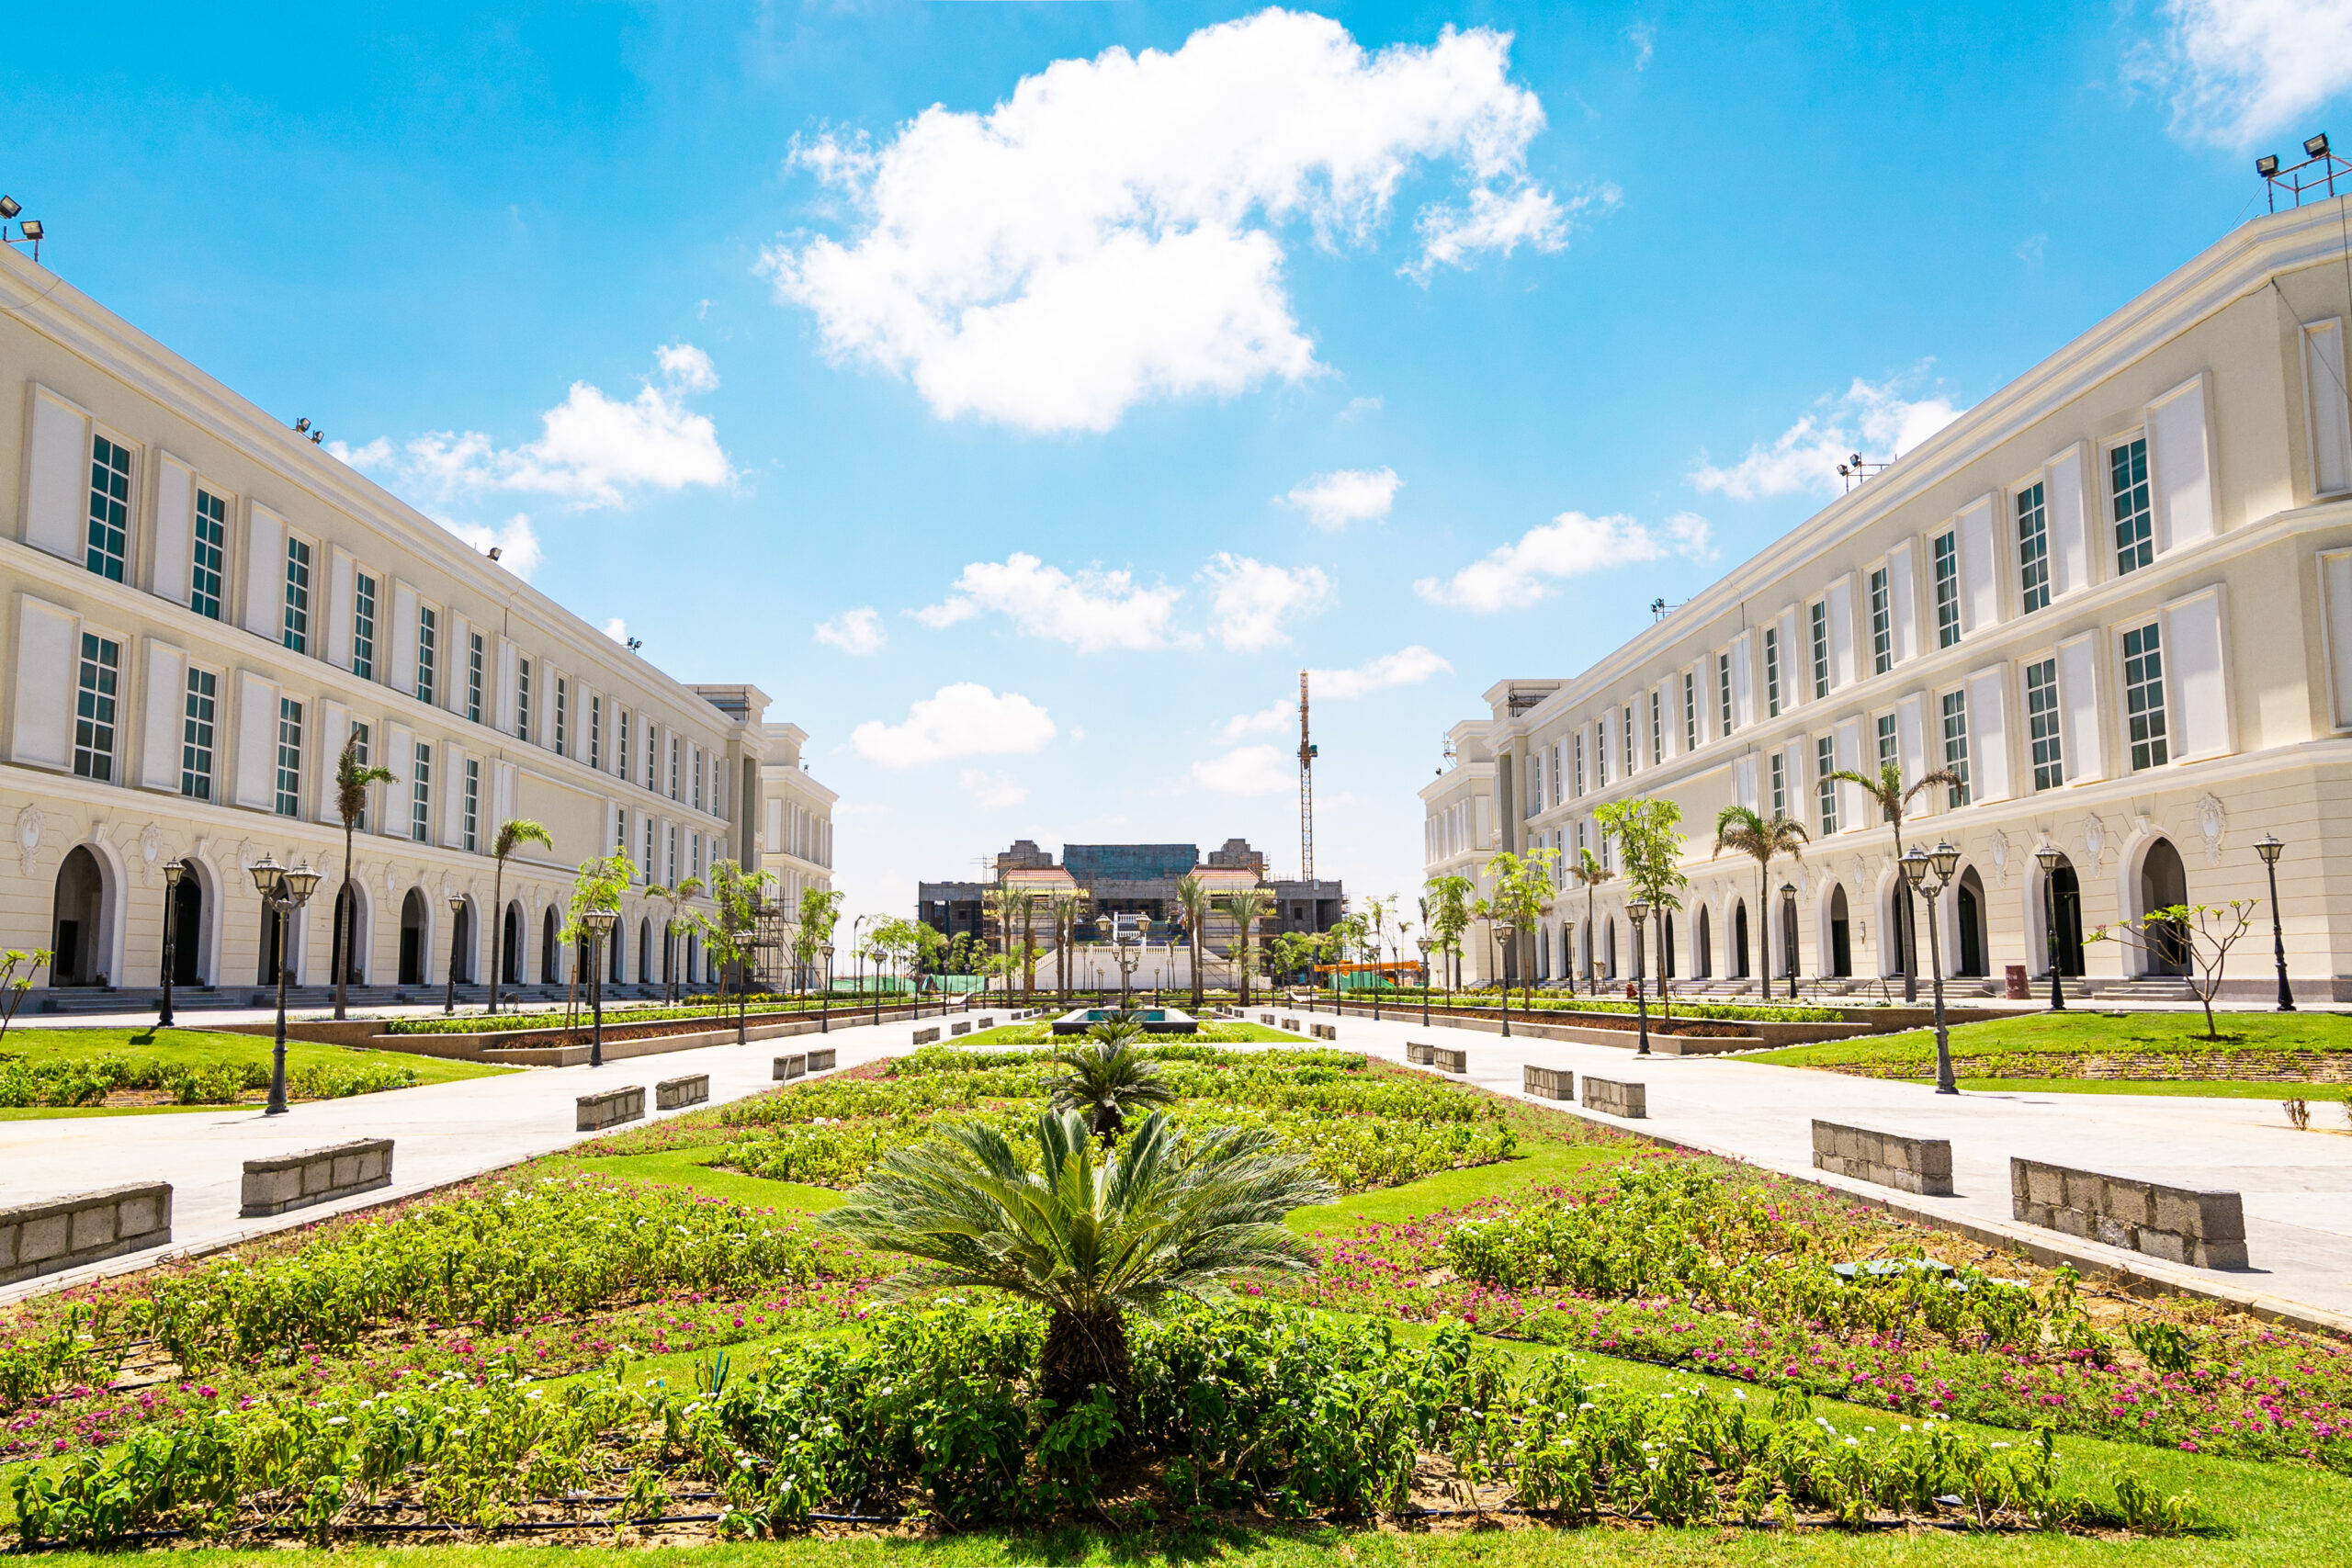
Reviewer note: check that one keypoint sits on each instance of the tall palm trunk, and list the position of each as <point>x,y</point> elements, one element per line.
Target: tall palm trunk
<point>345,917</point>
<point>497,928</point>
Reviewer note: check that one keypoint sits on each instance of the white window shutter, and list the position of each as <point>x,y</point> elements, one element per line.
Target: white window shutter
<point>1988,739</point>
<point>2180,453</point>
<point>57,482</point>
<point>2068,518</point>
<point>1796,660</point>
<point>452,794</point>
<point>502,716</point>
<point>1911,738</point>
<point>1744,781</point>
<point>457,659</point>
<point>2081,737</point>
<point>399,756</point>
<point>1903,588</point>
<point>1980,584</point>
<point>404,629</point>
<point>500,805</point>
<point>46,662</point>
<point>2329,409</point>
<point>255,783</point>
<point>265,573</point>
<point>1743,680</point>
<point>175,529</point>
<point>1849,744</point>
<point>342,587</point>
<point>333,729</point>
<point>2335,618</point>
<point>2197,695</point>
<point>166,681</point>
<point>1841,631</point>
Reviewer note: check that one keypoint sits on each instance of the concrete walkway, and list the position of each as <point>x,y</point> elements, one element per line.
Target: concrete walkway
<point>2297,1187</point>
<point>441,1133</point>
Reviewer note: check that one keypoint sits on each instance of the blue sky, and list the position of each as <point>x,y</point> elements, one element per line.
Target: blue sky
<point>1025,394</point>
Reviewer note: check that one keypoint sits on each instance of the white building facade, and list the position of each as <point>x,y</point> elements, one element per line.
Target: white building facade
<point>2115,598</point>
<point>202,607</point>
<point>796,828</point>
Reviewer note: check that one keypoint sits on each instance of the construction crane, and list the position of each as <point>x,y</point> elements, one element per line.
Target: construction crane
<point>1306,789</point>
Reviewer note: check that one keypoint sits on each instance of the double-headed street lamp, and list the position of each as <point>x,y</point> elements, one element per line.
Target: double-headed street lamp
<point>599,928</point>
<point>457,923</point>
<point>825,997</point>
<point>1637,911</point>
<point>1422,941</point>
<point>1916,868</point>
<point>2047,857</point>
<point>171,874</point>
<point>2269,849</point>
<point>283,890</point>
<point>1789,933</point>
<point>1507,933</point>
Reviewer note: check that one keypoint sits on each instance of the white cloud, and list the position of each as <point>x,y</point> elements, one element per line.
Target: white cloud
<point>1266,718</point>
<point>1643,35</point>
<point>991,791</point>
<point>1253,602</point>
<point>1694,537</point>
<point>2240,69</point>
<point>1333,500</point>
<point>375,455</point>
<point>1357,409</point>
<point>1406,667</point>
<point>856,632</point>
<point>1107,234</point>
<point>517,545</point>
<point>592,448</point>
<point>965,719</point>
<point>1512,576</point>
<point>1245,769</point>
<point>1090,611</point>
<point>617,629</point>
<point>1870,419</point>
<point>1497,221</point>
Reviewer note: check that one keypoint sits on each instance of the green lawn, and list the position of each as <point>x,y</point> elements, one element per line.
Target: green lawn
<point>207,1047</point>
<point>41,1065</point>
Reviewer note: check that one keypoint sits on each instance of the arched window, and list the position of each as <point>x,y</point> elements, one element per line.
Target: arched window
<point>1841,943</point>
<point>2163,883</point>
<point>79,922</point>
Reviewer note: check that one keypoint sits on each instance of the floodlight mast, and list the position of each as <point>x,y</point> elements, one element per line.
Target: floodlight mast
<point>1306,790</point>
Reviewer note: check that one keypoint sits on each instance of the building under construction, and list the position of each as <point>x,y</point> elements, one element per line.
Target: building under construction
<point>1131,879</point>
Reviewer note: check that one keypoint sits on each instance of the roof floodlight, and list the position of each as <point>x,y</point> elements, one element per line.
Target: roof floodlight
<point>2316,147</point>
<point>2267,165</point>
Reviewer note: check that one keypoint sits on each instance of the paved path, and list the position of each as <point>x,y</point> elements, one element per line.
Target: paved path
<point>2297,1186</point>
<point>441,1133</point>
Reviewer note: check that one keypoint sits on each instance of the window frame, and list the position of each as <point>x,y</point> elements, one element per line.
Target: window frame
<point>2033,549</point>
<point>420,794</point>
<point>97,708</point>
<point>297,583</point>
<point>1824,788</point>
<point>198,684</point>
<point>477,659</point>
<point>1691,710</point>
<point>1657,727</point>
<point>1818,635</point>
<point>1778,777</point>
<point>207,592</point>
<point>469,808</point>
<point>287,801</point>
<point>2140,551</point>
<point>365,596</point>
<point>1886,738</point>
<point>106,539</point>
<point>1943,577</point>
<point>2147,733</point>
<point>597,732</point>
<point>428,653</point>
<point>1722,689</point>
<point>1952,703</point>
<point>522,699</point>
<point>2045,745</point>
<point>1771,672</point>
<point>1878,585</point>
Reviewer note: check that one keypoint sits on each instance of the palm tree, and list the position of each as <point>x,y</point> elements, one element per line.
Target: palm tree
<point>511,836</point>
<point>1744,831</point>
<point>1247,907</point>
<point>1064,909</point>
<point>1894,797</point>
<point>1589,873</point>
<point>352,777</point>
<point>1090,1234</point>
<point>1108,1076</point>
<point>1193,896</point>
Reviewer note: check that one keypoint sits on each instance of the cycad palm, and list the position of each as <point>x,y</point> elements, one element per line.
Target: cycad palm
<point>1894,797</point>
<point>1108,1076</point>
<point>1743,830</point>
<point>1089,1234</point>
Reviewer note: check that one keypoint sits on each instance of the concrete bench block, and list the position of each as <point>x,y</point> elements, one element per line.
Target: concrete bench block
<point>1325,1031</point>
<point>1449,1058</point>
<point>961,1026</point>
<point>1418,1053</point>
<point>2181,1224</point>
<point>789,1067</point>
<point>927,1036</point>
<point>280,1182</point>
<point>672,1094</point>
<point>610,1107</point>
<point>820,1059</point>
<point>1267,1019</point>
<point>1610,1097</point>
<point>987,1020</point>
<point>1886,1159</point>
<point>1549,1083</point>
<point>1291,1024</point>
<point>86,1227</point>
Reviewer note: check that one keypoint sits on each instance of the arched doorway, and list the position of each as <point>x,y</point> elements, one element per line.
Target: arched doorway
<point>693,959</point>
<point>1609,954</point>
<point>551,944</point>
<point>644,950</point>
<point>1841,940</point>
<point>510,956</point>
<point>1704,960</point>
<point>187,927</point>
<point>2063,891</point>
<point>412,951</point>
<point>462,943</point>
<point>618,940</point>
<point>2164,881</point>
<point>80,922</point>
<point>274,930</point>
<point>349,940</point>
<point>1665,955</point>
<point>1968,916</point>
<point>1739,940</point>
<point>1542,953</point>
<point>1788,934</point>
<point>1898,918</point>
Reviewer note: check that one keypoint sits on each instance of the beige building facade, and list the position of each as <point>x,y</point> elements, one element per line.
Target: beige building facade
<point>202,607</point>
<point>797,825</point>
<point>2115,598</point>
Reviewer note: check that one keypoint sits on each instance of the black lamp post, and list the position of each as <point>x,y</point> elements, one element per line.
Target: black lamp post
<point>171,874</point>
<point>449,981</point>
<point>1637,911</point>
<point>600,929</point>
<point>825,997</point>
<point>2269,849</point>
<point>1917,867</point>
<point>1423,943</point>
<point>1506,932</point>
<point>2047,857</point>
<point>283,891</point>
<point>1789,932</point>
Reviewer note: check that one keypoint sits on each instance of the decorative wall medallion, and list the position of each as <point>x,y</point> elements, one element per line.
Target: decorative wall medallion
<point>2213,821</point>
<point>2093,837</point>
<point>28,827</point>
<point>1999,850</point>
<point>150,849</point>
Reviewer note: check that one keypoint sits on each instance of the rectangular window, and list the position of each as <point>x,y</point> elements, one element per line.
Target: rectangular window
<point>472,825</point>
<point>1820,649</point>
<point>1824,788</point>
<point>562,711</point>
<point>363,627</point>
<point>360,740</point>
<point>1658,727</point>
<point>1946,552</point>
<point>298,595</point>
<point>1579,762</point>
<point>1690,711</point>
<point>198,712</point>
<point>620,739</point>
<point>1780,784</point>
<point>671,861</point>
<point>419,795</point>
<point>95,691</point>
<point>653,757</point>
<point>428,633</point>
<point>1955,712</point>
<point>1554,753</point>
<point>473,676</point>
<point>1600,754</point>
<point>289,757</point>
<point>649,849</point>
<point>211,551</point>
<point>596,732</point>
<point>673,771</point>
<point>1771,673</point>
<point>718,785</point>
<point>1626,720</point>
<point>522,699</point>
<point>109,507</point>
<point>2034,550</point>
<point>2144,696</point>
<point>694,758</point>
<point>2042,723</point>
<point>1887,753</point>
<point>1882,625</point>
<point>620,831</point>
<point>1722,689</point>
<point>2127,486</point>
